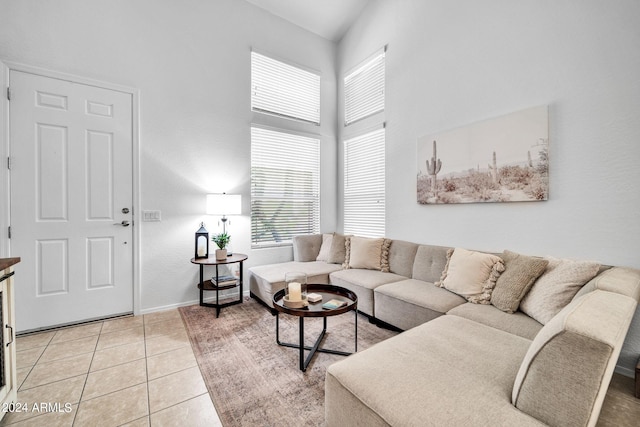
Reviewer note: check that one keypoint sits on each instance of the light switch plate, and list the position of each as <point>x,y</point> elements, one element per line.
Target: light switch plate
<point>151,216</point>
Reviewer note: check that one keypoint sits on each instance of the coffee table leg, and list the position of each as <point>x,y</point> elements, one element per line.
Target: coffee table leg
<point>356,334</point>
<point>301,328</point>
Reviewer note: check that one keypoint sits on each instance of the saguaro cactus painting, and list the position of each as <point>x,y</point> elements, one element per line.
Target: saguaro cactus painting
<point>514,147</point>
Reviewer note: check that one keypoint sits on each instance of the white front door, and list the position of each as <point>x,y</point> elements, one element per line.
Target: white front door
<point>71,200</point>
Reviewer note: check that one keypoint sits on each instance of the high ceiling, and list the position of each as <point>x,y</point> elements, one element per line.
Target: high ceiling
<point>328,18</point>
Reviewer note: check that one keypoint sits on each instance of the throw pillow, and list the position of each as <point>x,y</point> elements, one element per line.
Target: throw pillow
<point>325,249</point>
<point>338,249</point>
<point>366,253</point>
<point>557,286</point>
<point>520,271</point>
<point>471,274</point>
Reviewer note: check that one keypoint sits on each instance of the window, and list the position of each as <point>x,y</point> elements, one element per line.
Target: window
<point>364,184</point>
<point>285,186</point>
<point>284,90</point>
<point>364,89</point>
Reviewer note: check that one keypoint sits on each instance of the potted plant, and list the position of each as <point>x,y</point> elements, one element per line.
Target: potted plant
<point>222,240</point>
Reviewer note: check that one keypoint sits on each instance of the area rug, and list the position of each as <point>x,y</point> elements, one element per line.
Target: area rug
<point>255,382</point>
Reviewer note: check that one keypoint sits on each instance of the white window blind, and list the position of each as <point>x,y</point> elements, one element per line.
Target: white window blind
<point>285,186</point>
<point>364,89</point>
<point>364,185</point>
<point>284,90</point>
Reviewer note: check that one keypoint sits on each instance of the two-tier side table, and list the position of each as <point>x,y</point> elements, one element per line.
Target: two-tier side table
<point>209,285</point>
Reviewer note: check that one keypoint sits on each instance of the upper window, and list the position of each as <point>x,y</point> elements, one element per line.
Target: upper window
<point>364,181</point>
<point>285,186</point>
<point>284,90</point>
<point>364,89</point>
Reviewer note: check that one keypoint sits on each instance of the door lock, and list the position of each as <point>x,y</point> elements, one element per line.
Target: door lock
<point>123,223</point>
<point>125,210</point>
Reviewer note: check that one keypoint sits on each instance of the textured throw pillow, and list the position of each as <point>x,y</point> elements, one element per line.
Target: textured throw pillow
<point>471,274</point>
<point>557,286</point>
<point>366,253</point>
<point>520,271</point>
<point>325,249</point>
<point>338,249</point>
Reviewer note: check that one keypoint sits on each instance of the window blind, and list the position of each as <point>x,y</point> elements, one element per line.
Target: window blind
<point>284,90</point>
<point>285,186</point>
<point>364,184</point>
<point>364,89</point>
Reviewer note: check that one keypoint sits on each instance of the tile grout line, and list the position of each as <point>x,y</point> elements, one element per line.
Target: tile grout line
<point>87,377</point>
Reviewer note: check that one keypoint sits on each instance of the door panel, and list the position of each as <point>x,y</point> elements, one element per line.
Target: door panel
<point>71,178</point>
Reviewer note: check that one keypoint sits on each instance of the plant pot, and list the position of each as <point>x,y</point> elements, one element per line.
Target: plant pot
<point>221,254</point>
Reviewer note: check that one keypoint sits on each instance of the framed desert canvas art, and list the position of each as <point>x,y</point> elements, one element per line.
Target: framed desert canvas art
<point>504,159</point>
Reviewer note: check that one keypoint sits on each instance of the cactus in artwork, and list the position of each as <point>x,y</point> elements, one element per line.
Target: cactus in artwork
<point>529,162</point>
<point>493,170</point>
<point>433,167</point>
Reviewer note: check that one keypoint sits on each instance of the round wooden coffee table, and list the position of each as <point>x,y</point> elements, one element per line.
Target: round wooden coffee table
<point>328,292</point>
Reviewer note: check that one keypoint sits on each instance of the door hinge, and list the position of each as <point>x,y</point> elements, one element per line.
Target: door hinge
<point>9,163</point>
<point>8,93</point>
<point>9,231</point>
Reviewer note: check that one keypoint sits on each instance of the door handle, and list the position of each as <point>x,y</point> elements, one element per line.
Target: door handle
<point>123,223</point>
<point>10,333</point>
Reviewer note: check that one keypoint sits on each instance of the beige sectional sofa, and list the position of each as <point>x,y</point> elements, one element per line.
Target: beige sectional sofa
<point>460,363</point>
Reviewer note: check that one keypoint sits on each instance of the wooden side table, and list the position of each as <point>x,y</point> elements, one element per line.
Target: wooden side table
<point>209,285</point>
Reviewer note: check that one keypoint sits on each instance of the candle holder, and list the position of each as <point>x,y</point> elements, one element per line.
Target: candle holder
<point>295,291</point>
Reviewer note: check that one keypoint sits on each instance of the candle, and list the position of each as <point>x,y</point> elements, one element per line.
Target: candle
<point>295,293</point>
<point>202,246</point>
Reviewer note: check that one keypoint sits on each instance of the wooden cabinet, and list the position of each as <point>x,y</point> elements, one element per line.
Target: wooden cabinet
<point>8,379</point>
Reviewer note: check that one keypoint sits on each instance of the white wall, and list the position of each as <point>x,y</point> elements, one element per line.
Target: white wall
<point>454,63</point>
<point>191,62</point>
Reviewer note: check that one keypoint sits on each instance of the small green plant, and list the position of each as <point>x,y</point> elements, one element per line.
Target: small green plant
<point>222,240</point>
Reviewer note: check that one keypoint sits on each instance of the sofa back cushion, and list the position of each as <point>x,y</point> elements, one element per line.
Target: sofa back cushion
<point>429,263</point>
<point>401,257</point>
<point>565,374</point>
<point>306,247</point>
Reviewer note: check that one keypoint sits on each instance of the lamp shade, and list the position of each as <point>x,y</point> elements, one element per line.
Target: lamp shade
<point>224,204</point>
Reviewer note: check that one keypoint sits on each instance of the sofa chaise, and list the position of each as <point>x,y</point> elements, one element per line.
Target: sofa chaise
<point>539,353</point>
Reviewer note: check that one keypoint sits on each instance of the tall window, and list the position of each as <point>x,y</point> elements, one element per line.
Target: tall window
<point>285,186</point>
<point>364,155</point>
<point>284,90</point>
<point>364,89</point>
<point>364,184</point>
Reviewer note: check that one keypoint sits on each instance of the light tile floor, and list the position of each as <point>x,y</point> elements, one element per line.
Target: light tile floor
<point>133,371</point>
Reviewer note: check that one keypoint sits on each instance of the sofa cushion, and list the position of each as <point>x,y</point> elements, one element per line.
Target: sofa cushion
<point>429,263</point>
<point>325,249</point>
<point>370,254</point>
<point>565,373</point>
<point>338,249</point>
<point>517,323</point>
<point>409,303</point>
<point>557,286</point>
<point>471,274</point>
<point>401,257</point>
<point>306,247</point>
<point>363,282</point>
<point>520,271</point>
<point>441,373</point>
<point>266,280</point>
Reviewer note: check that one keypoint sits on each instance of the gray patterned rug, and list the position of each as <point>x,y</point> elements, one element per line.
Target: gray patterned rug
<point>255,382</point>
